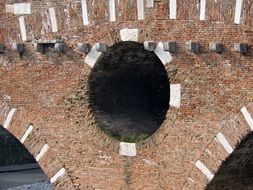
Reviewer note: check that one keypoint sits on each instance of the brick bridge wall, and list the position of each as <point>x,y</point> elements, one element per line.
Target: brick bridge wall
<point>44,103</point>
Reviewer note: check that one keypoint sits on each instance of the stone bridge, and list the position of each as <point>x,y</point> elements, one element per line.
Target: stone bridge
<point>62,66</point>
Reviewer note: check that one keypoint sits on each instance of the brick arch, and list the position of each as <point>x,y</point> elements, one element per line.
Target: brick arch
<point>146,147</point>
<point>172,152</point>
<point>36,144</point>
<point>231,133</point>
<point>236,167</point>
<point>108,147</point>
<point>132,35</point>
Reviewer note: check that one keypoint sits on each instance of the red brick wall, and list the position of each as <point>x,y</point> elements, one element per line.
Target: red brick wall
<point>50,91</point>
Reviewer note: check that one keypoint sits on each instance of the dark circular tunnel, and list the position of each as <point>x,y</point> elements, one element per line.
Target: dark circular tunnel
<point>236,172</point>
<point>129,92</point>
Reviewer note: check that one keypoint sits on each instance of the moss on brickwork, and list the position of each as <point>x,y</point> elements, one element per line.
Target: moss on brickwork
<point>130,138</point>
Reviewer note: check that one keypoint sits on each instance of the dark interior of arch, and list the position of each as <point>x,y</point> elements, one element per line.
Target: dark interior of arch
<point>236,172</point>
<point>129,92</point>
<point>12,152</point>
<point>18,168</point>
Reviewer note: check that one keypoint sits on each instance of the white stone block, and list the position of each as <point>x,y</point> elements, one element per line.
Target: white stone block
<point>59,174</point>
<point>18,47</point>
<point>241,48</point>
<point>83,47</point>
<point>60,47</point>
<point>247,117</point>
<point>112,10</point>
<point>22,28</point>
<point>26,134</point>
<point>93,57</point>
<point>193,46</point>
<point>140,9</point>
<point>175,95</point>
<point>22,8</point>
<point>224,142</point>
<point>9,8</point>
<point>164,56</point>
<point>202,10</point>
<point>127,149</point>
<point>42,152</point>
<point>173,9</point>
<point>170,46</point>
<point>216,47</point>
<point>53,19</point>
<point>85,12</point>
<point>150,46</point>
<point>150,3</point>
<point>202,167</point>
<point>9,118</point>
<point>129,34</point>
<point>238,11</point>
<point>101,47</point>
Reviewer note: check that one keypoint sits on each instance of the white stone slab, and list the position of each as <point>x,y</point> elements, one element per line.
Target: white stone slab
<point>127,149</point>
<point>9,8</point>
<point>68,17</point>
<point>175,95</point>
<point>140,9</point>
<point>202,10</point>
<point>247,117</point>
<point>53,19</point>
<point>223,141</point>
<point>238,11</point>
<point>46,24</point>
<point>9,118</point>
<point>59,174</point>
<point>202,167</point>
<point>149,162</point>
<point>112,10</point>
<point>173,9</point>
<point>164,56</point>
<point>93,57</point>
<point>22,8</point>
<point>42,152</point>
<point>191,180</point>
<point>26,134</point>
<point>150,3</point>
<point>129,34</point>
<point>85,12</point>
<point>22,28</point>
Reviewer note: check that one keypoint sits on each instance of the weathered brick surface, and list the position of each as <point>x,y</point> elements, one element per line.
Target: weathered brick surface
<point>50,91</point>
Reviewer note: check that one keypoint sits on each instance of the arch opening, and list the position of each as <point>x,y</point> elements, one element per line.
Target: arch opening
<point>18,168</point>
<point>129,92</point>
<point>236,171</point>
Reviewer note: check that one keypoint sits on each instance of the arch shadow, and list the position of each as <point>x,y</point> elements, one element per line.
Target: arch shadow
<point>129,92</point>
<point>18,168</point>
<point>236,172</point>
